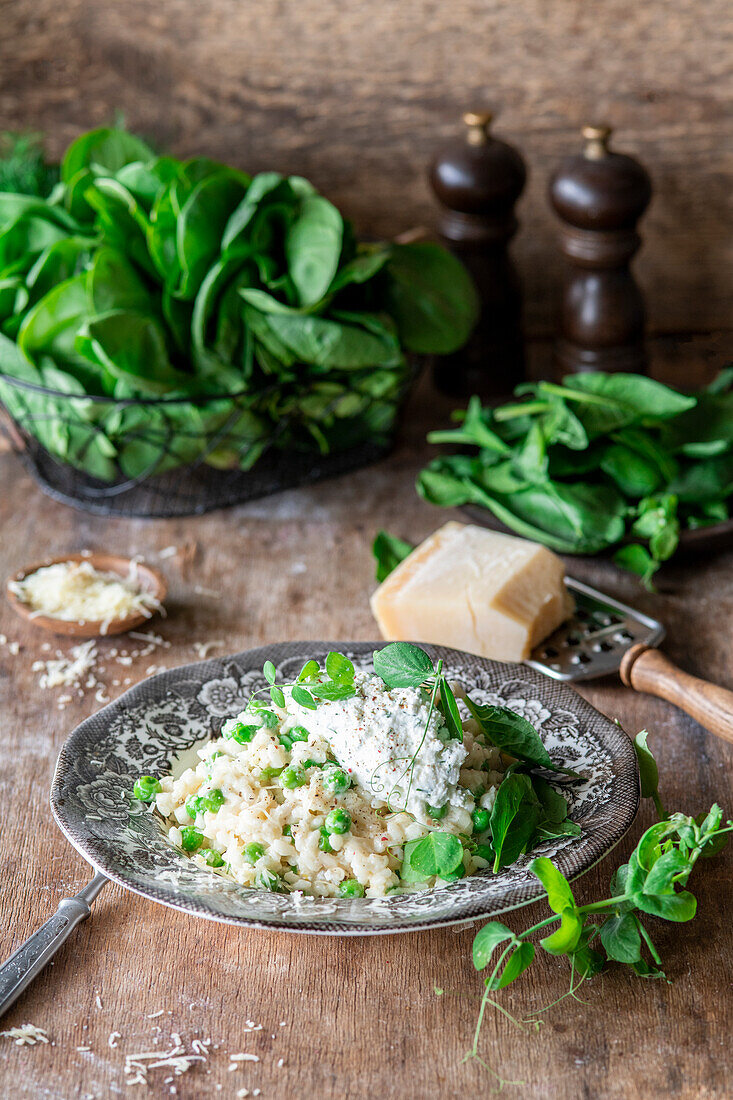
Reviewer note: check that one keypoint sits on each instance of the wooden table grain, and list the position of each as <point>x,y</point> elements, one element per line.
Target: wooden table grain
<point>340,1018</point>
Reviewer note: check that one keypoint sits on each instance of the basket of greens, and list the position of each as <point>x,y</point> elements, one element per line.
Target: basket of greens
<point>601,462</point>
<point>177,335</point>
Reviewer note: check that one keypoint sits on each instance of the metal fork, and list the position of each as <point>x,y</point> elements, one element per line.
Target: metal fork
<point>28,960</point>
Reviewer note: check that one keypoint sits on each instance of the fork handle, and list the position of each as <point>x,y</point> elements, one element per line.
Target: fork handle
<point>28,960</point>
<point>648,670</point>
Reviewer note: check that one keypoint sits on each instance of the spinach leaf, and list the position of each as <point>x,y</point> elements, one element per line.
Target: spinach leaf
<point>432,298</point>
<point>608,401</point>
<point>389,551</point>
<point>449,710</point>
<point>105,149</point>
<point>200,225</point>
<point>634,474</point>
<point>312,248</point>
<point>554,805</point>
<point>474,430</point>
<point>514,815</point>
<point>582,466</point>
<point>133,344</point>
<point>142,275</point>
<point>329,344</point>
<point>511,733</point>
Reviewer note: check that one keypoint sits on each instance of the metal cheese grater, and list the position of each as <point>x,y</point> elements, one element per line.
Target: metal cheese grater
<point>605,636</point>
<point>594,641</point>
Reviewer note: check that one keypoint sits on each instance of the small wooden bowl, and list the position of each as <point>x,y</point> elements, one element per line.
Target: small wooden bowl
<point>151,581</point>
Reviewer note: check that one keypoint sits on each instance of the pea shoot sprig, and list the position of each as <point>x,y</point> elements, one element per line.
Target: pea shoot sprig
<point>651,883</point>
<point>312,685</point>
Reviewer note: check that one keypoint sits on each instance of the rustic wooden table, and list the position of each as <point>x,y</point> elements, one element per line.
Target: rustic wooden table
<point>353,1017</point>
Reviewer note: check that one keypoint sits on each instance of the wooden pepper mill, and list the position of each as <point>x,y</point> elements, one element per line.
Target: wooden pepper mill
<point>600,195</point>
<point>477,181</point>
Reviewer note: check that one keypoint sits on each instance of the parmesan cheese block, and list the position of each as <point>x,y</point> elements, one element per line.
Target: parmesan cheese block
<point>469,588</point>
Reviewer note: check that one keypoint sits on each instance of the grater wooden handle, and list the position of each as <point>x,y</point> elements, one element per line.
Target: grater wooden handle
<point>648,670</point>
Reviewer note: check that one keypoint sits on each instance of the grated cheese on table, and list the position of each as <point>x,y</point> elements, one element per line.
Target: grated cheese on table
<point>26,1035</point>
<point>74,591</point>
<point>67,670</point>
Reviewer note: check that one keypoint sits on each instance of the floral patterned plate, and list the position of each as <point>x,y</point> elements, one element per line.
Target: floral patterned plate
<point>153,722</point>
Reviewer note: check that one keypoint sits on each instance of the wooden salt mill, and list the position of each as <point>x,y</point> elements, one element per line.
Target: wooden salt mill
<point>600,196</point>
<point>477,181</point>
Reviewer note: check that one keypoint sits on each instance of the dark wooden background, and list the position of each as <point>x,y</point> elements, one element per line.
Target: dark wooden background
<point>357,95</point>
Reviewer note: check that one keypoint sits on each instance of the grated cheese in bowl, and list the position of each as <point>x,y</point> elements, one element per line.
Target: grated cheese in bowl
<point>75,591</point>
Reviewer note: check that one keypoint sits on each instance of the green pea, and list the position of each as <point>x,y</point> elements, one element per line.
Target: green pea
<point>214,800</point>
<point>298,733</point>
<point>269,773</point>
<point>350,888</point>
<point>191,838</point>
<point>338,821</point>
<point>292,777</point>
<point>438,812</point>
<point>241,733</point>
<point>285,741</point>
<point>146,788</point>
<point>287,830</point>
<point>213,858</point>
<point>268,880</point>
<point>324,843</point>
<point>253,851</point>
<point>269,718</point>
<point>480,820</point>
<point>485,851</point>
<point>195,805</point>
<point>336,780</point>
<point>311,764</point>
<point>210,761</point>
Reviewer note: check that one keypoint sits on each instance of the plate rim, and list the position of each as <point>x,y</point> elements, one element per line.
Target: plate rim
<point>254,657</point>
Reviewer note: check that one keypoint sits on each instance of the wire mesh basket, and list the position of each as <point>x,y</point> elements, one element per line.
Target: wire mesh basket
<point>175,457</point>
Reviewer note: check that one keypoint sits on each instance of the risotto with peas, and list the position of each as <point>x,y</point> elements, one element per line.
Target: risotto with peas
<point>348,783</point>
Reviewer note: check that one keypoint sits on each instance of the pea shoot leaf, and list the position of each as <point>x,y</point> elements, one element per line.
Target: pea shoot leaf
<point>559,895</point>
<point>565,939</point>
<point>436,854</point>
<point>332,690</point>
<point>402,665</point>
<point>303,698</point>
<point>487,939</point>
<point>621,939</point>
<point>308,671</point>
<point>521,957</point>
<point>339,667</point>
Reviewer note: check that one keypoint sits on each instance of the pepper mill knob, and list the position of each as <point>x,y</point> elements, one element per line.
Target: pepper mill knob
<point>600,196</point>
<point>477,179</point>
